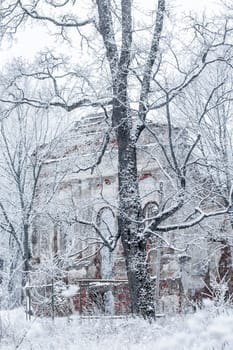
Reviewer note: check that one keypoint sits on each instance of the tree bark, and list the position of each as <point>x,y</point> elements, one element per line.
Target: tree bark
<point>130,220</point>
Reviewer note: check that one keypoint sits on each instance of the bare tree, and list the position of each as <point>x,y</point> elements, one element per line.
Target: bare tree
<point>132,75</point>
<point>212,121</point>
<point>21,164</point>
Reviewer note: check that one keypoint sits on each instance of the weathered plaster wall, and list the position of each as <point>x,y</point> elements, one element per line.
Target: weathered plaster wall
<point>187,260</point>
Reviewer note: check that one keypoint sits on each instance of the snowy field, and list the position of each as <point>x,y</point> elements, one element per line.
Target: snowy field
<point>208,329</point>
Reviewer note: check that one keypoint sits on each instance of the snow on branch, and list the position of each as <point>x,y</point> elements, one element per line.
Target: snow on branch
<point>66,21</point>
<point>202,215</point>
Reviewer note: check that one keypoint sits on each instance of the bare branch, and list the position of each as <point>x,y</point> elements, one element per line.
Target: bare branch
<point>107,32</point>
<point>68,22</point>
<point>193,222</point>
<point>143,102</point>
<point>12,230</point>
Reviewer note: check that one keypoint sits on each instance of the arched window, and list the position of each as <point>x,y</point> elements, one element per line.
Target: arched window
<point>150,209</point>
<point>107,227</point>
<point>106,223</point>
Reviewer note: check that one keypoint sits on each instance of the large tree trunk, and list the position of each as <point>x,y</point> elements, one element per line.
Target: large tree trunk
<point>130,223</point>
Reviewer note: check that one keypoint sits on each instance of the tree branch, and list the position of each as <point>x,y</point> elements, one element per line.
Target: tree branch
<point>143,102</point>
<point>65,22</point>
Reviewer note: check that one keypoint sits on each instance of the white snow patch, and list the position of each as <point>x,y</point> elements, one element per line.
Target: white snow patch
<point>70,292</point>
<point>207,329</point>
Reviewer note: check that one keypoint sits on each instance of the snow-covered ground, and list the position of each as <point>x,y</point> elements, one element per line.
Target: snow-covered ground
<point>207,329</point>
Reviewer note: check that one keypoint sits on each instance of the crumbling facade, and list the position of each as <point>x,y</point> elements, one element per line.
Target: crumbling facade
<point>79,217</point>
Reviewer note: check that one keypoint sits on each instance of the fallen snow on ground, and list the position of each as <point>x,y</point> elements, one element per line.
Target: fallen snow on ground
<point>208,329</point>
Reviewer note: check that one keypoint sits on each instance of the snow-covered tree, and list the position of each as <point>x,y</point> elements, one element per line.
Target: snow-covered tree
<point>128,65</point>
<point>22,132</point>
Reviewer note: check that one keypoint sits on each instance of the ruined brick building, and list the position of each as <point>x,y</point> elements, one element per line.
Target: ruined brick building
<point>184,264</point>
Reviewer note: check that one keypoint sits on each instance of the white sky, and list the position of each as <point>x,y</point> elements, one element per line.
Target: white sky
<point>30,42</point>
<point>197,5</point>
